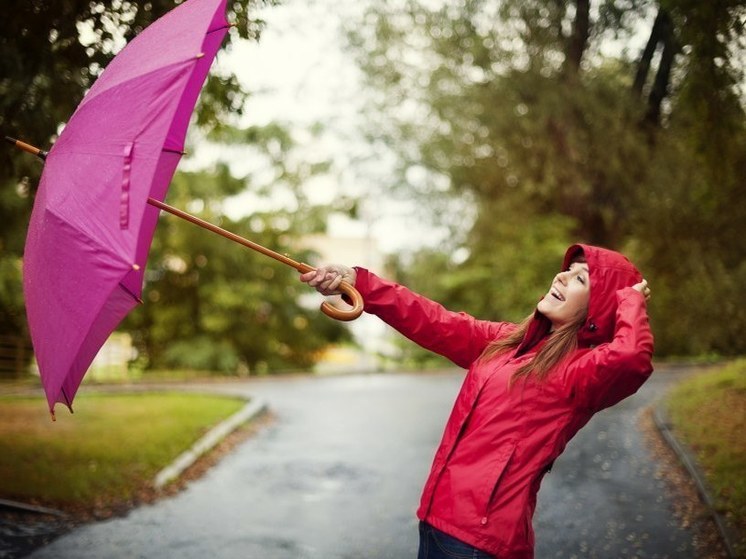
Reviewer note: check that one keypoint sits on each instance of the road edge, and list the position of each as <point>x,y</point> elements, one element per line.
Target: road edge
<point>687,460</point>
<point>253,409</point>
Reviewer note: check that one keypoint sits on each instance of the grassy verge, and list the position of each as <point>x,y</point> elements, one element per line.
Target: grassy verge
<point>708,412</point>
<point>106,453</point>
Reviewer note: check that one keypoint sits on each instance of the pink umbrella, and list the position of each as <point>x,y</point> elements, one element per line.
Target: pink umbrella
<point>103,184</point>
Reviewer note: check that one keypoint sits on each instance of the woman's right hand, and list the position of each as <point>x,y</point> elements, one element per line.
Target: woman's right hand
<point>326,279</point>
<point>643,288</point>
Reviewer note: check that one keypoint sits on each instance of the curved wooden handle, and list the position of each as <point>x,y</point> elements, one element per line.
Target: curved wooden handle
<point>355,299</point>
<point>345,315</point>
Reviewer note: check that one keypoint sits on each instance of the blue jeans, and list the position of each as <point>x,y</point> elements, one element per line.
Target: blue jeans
<point>435,544</point>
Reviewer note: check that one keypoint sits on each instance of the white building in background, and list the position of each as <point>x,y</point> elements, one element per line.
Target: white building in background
<point>372,337</point>
<point>112,360</point>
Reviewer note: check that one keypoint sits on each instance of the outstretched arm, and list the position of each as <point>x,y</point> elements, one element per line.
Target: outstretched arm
<point>456,336</point>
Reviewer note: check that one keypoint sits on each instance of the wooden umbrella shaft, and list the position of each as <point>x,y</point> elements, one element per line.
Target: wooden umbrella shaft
<point>302,268</point>
<point>353,295</point>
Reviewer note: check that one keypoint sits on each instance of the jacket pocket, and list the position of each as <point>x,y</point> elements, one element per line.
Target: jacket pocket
<point>497,468</point>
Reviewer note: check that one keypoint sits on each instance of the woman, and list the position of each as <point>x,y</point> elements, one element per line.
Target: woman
<point>530,388</point>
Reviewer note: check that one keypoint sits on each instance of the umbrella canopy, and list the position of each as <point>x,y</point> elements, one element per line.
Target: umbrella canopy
<point>91,226</point>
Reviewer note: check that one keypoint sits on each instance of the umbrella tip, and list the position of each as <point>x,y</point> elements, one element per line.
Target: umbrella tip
<point>51,413</point>
<point>40,153</point>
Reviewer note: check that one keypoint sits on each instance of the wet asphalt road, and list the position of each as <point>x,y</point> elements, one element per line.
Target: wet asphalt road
<point>338,475</point>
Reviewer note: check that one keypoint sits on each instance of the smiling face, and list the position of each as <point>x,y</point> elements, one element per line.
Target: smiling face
<point>567,299</point>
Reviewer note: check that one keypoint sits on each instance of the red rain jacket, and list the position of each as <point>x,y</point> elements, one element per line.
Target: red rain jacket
<point>500,441</point>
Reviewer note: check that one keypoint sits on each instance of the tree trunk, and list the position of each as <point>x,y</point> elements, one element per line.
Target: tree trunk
<point>578,41</point>
<point>663,76</point>
<point>643,67</point>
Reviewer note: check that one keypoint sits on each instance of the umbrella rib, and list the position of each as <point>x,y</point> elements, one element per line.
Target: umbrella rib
<point>91,239</point>
<point>129,292</point>
<point>176,63</point>
<point>226,26</point>
<point>67,400</point>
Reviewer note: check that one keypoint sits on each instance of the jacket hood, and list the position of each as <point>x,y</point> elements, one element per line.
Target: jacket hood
<point>609,271</point>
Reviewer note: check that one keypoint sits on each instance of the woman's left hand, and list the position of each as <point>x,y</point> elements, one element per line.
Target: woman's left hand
<point>643,288</point>
<point>326,279</point>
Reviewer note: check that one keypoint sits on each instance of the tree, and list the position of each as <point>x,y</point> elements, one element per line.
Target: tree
<point>519,111</point>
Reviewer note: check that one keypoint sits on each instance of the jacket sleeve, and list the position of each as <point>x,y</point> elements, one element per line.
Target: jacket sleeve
<point>612,371</point>
<point>456,336</point>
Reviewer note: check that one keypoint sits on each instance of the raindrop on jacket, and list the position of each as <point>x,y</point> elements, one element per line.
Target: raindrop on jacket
<point>500,440</point>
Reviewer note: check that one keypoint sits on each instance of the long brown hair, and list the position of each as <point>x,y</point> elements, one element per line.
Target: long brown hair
<point>560,343</point>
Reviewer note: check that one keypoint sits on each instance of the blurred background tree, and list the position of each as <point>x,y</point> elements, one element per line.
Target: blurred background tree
<point>545,122</point>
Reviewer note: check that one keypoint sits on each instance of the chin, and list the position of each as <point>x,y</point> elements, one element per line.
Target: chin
<point>544,307</point>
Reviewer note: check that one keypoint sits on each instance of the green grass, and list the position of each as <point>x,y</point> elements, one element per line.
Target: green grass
<point>107,452</point>
<point>709,412</point>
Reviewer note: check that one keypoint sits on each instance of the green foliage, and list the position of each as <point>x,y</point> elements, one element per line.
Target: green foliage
<point>214,305</point>
<point>12,311</point>
<point>515,113</point>
<point>691,236</point>
<point>211,304</point>
<point>708,411</point>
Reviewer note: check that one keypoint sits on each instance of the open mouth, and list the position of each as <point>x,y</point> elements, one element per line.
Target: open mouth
<point>556,294</point>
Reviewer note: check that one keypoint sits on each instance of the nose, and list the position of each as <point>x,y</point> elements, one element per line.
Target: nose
<point>562,277</point>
